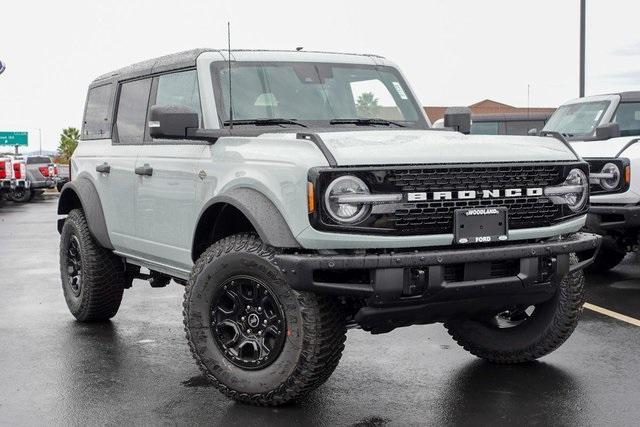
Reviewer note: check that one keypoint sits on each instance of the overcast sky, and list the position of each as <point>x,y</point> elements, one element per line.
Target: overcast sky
<point>453,52</point>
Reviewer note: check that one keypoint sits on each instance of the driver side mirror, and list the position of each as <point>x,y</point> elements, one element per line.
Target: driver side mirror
<point>458,118</point>
<point>172,121</point>
<point>607,131</point>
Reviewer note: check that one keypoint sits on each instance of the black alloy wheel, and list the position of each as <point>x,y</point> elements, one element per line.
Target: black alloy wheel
<point>247,322</point>
<point>74,266</point>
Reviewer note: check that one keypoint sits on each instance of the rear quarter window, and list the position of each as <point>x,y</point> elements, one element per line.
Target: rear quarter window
<point>37,159</point>
<point>97,114</point>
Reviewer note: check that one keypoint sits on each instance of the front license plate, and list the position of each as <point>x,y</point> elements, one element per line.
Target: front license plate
<point>480,225</point>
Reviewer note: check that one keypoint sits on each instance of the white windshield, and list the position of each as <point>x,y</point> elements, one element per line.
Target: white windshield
<point>577,119</point>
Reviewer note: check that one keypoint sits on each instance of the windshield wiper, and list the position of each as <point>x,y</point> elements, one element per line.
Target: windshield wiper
<point>365,122</point>
<point>265,122</point>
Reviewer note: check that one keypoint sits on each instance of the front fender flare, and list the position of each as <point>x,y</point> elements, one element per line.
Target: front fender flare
<point>82,191</point>
<point>261,213</point>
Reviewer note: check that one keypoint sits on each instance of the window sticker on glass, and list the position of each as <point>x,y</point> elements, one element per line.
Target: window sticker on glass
<point>399,89</point>
<point>598,115</point>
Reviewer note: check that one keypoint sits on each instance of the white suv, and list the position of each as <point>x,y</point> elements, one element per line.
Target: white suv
<point>605,131</point>
<point>296,194</point>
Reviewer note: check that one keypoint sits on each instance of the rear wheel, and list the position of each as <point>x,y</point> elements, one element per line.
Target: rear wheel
<point>609,255</point>
<point>256,339</point>
<point>93,278</point>
<point>20,195</point>
<point>524,333</point>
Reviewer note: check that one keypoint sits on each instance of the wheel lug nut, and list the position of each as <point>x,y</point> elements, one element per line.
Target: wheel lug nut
<point>242,318</point>
<point>248,307</point>
<point>265,321</point>
<point>259,308</point>
<point>248,331</point>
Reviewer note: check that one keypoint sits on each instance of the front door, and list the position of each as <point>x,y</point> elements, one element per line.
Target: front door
<point>166,179</point>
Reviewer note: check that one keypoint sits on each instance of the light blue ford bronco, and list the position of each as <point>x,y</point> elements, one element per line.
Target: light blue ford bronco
<point>299,194</point>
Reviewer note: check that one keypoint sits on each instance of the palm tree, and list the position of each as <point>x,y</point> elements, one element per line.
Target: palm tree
<point>367,105</point>
<point>68,143</point>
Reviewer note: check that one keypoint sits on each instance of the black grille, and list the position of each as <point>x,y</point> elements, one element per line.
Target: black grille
<point>437,216</point>
<point>475,178</point>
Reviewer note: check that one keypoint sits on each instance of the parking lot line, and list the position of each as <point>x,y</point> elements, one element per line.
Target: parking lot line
<point>613,314</point>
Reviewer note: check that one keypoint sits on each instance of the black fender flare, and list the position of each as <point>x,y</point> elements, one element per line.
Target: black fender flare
<point>83,191</point>
<point>261,213</point>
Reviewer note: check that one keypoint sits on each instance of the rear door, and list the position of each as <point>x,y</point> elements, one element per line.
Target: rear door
<point>165,196</point>
<point>117,181</point>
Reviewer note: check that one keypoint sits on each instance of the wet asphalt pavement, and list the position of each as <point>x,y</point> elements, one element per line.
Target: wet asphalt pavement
<point>137,369</point>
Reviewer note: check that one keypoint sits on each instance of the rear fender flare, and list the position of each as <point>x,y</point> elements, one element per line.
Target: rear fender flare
<point>82,192</point>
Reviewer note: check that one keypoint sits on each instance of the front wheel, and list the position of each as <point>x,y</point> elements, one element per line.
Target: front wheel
<point>524,333</point>
<point>256,339</point>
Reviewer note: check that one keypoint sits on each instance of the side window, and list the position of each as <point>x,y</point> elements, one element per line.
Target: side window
<point>484,128</point>
<point>179,89</point>
<point>628,117</point>
<point>522,127</point>
<point>132,111</point>
<point>97,114</point>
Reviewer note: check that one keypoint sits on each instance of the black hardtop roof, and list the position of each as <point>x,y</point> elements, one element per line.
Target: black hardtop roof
<point>151,66</point>
<point>631,96</point>
<point>177,61</point>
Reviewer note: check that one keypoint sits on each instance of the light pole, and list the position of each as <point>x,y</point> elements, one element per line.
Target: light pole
<point>40,139</point>
<point>582,42</point>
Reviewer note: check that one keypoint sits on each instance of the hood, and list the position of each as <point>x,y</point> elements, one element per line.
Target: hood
<point>608,148</point>
<point>395,147</point>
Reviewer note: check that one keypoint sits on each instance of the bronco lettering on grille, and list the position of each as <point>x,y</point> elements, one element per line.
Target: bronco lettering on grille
<point>472,194</point>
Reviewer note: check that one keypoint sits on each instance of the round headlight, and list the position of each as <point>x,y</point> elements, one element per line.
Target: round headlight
<point>610,184</point>
<point>346,213</point>
<point>576,200</point>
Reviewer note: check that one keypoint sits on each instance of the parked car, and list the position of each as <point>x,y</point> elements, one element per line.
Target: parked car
<point>605,131</point>
<point>504,124</point>
<point>296,212</point>
<point>18,183</point>
<point>39,174</point>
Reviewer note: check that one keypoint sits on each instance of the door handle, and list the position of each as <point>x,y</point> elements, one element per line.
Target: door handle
<point>144,170</point>
<point>103,168</point>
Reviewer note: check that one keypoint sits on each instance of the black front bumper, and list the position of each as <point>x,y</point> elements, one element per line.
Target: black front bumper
<point>441,282</point>
<point>604,218</point>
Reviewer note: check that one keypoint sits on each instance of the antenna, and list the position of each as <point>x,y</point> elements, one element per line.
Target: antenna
<point>229,63</point>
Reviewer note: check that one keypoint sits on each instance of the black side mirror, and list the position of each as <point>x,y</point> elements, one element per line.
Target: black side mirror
<point>607,131</point>
<point>172,121</point>
<point>458,118</point>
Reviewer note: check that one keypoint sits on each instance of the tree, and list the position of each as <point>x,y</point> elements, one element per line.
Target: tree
<point>68,143</point>
<point>367,105</point>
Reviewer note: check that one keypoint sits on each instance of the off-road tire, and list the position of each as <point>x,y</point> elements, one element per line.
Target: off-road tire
<point>20,196</point>
<point>102,275</point>
<point>609,255</point>
<point>550,325</point>
<point>315,326</point>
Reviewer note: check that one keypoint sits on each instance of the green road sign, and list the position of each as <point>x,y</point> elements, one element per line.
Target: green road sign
<point>14,138</point>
